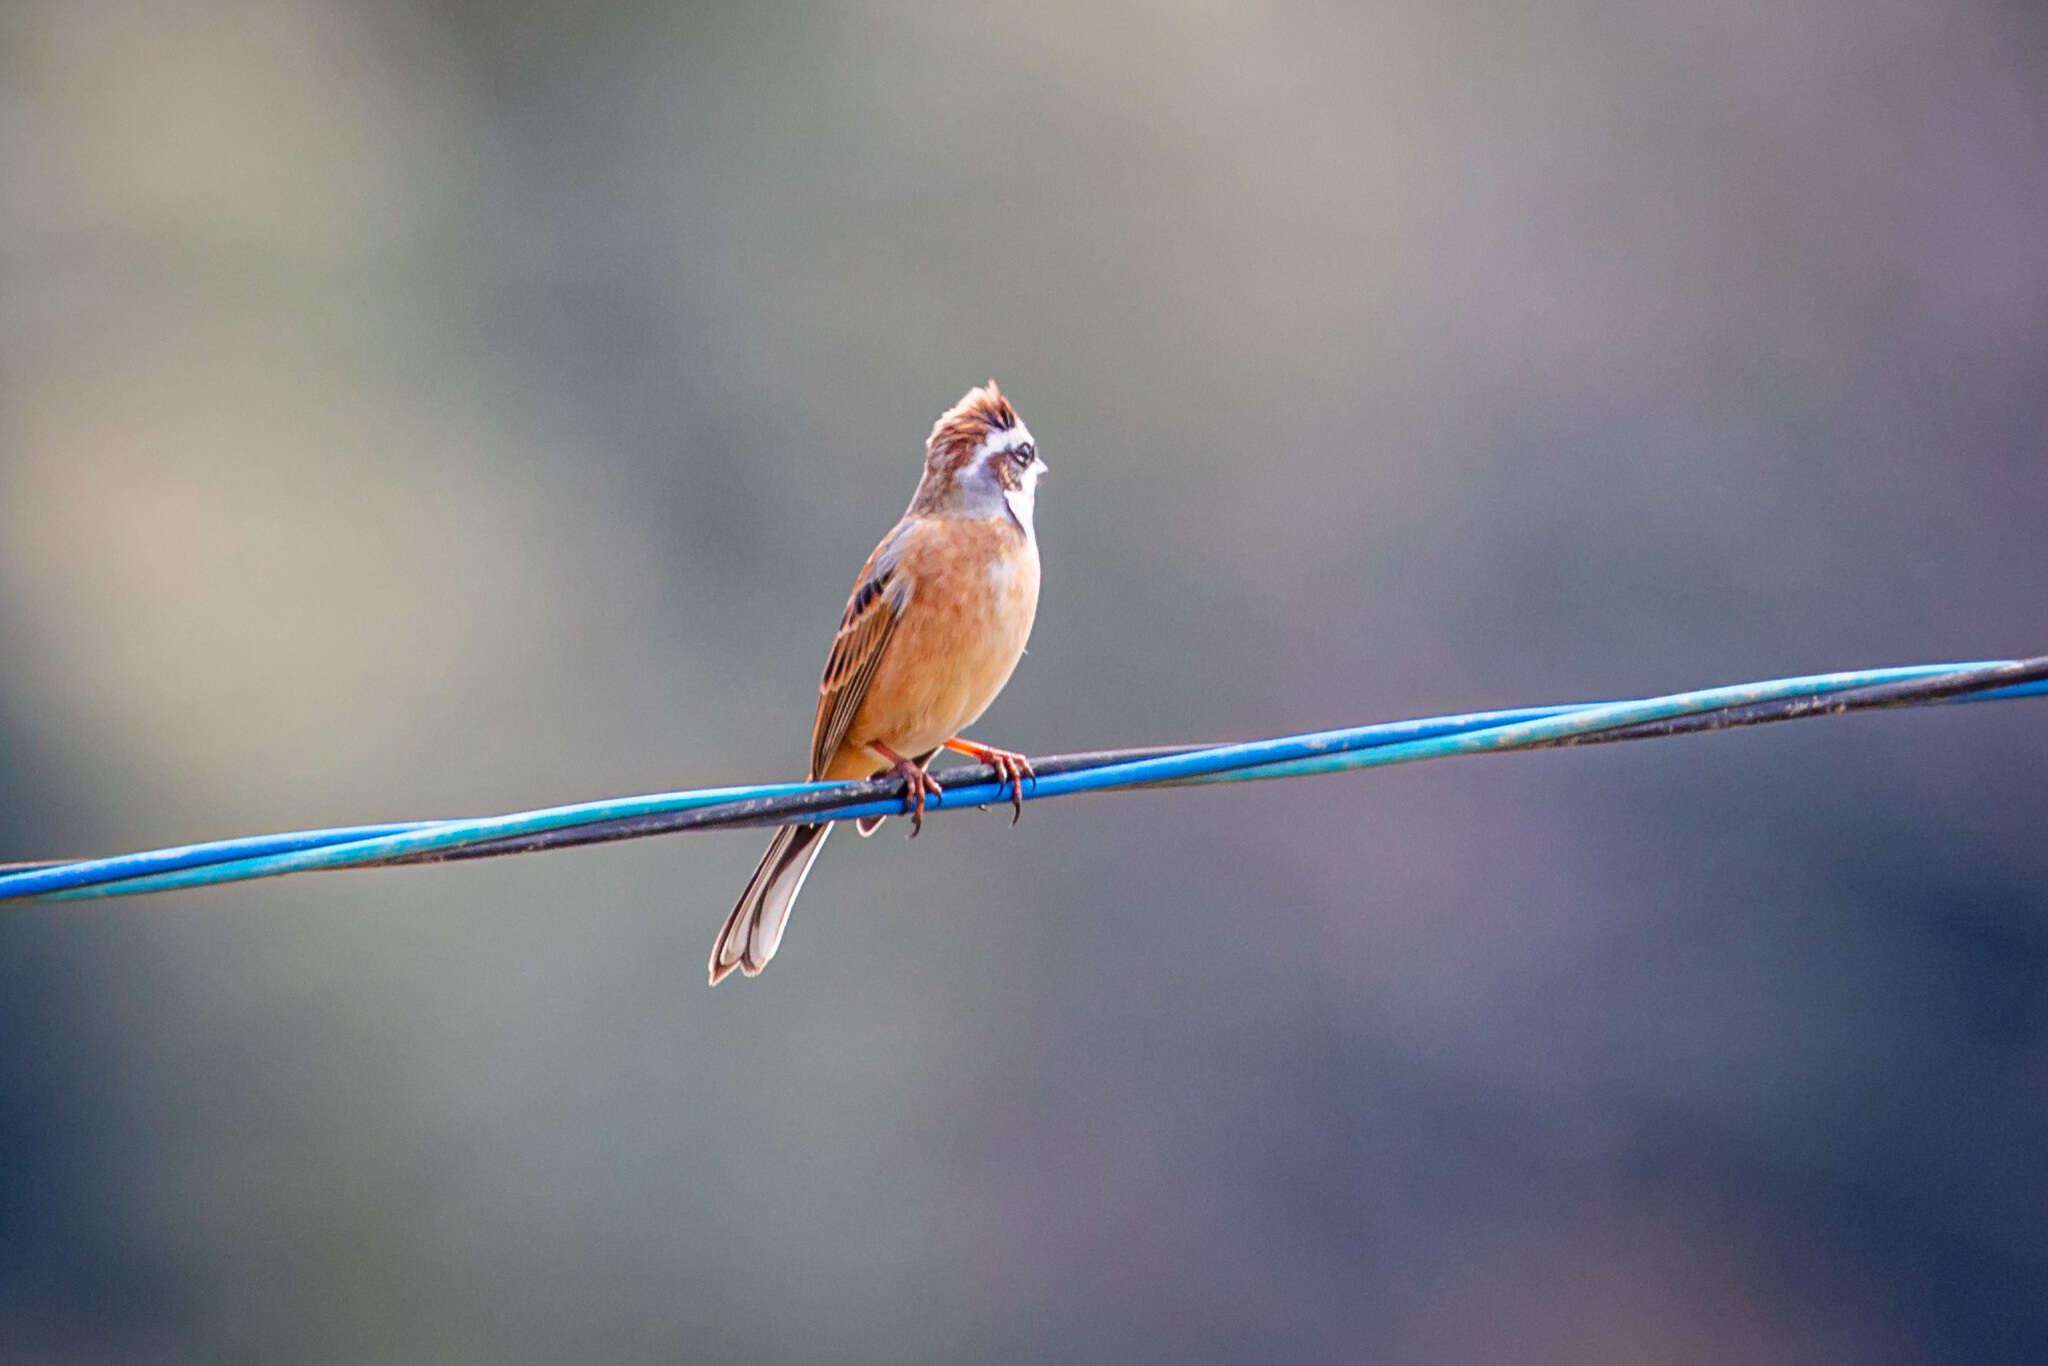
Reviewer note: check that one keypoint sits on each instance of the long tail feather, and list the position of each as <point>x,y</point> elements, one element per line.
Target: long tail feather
<point>754,929</point>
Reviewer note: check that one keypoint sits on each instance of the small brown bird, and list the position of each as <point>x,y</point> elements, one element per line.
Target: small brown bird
<point>936,623</point>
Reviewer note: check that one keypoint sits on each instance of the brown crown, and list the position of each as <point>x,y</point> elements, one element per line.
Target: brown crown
<point>965,425</point>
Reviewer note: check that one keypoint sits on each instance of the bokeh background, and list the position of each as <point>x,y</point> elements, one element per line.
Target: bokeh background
<point>414,409</point>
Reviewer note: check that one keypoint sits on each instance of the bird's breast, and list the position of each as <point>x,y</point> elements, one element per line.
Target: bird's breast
<point>973,594</point>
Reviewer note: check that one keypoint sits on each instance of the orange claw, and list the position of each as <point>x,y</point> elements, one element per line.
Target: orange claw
<point>1011,769</point>
<point>918,782</point>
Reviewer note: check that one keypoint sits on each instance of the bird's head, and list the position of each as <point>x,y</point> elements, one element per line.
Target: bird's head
<point>980,461</point>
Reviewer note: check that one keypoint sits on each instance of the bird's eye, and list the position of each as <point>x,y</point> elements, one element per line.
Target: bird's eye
<point>1025,453</point>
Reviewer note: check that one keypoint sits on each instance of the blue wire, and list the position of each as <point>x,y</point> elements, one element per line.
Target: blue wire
<point>1287,756</point>
<point>56,877</point>
<point>300,851</point>
<point>1609,715</point>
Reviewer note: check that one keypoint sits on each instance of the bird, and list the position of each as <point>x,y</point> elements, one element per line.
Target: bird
<point>932,631</point>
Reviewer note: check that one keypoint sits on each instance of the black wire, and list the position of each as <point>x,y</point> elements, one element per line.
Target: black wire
<point>767,811</point>
<point>764,811</point>
<point>1873,697</point>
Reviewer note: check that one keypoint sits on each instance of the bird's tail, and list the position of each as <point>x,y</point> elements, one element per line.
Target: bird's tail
<point>754,929</point>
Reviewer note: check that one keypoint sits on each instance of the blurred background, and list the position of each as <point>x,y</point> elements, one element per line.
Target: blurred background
<point>415,410</point>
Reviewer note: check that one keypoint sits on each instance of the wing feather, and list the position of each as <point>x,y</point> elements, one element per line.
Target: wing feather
<point>872,611</point>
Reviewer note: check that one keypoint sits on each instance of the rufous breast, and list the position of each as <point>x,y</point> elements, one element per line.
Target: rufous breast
<point>972,596</point>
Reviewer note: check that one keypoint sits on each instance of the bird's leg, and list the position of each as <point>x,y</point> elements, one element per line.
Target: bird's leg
<point>1011,769</point>
<point>920,783</point>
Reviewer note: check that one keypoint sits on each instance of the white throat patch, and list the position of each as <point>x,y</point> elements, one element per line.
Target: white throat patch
<point>998,444</point>
<point>1023,500</point>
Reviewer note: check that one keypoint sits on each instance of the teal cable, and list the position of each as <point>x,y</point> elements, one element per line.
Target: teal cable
<point>1285,756</point>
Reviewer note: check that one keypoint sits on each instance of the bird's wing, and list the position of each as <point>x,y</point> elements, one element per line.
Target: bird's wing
<point>877,603</point>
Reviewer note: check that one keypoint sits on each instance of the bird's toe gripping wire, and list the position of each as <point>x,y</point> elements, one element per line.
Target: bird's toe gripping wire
<point>918,785</point>
<point>1011,769</point>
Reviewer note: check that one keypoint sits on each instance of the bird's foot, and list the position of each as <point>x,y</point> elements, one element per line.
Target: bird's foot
<point>918,785</point>
<point>1011,769</point>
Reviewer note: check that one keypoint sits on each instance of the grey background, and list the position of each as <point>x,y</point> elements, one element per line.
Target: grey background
<point>411,410</point>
